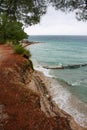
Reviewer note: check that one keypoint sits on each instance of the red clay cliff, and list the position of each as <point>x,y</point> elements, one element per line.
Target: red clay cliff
<point>20,107</point>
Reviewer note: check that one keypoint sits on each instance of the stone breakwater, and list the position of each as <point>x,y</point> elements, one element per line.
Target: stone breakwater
<point>73,66</point>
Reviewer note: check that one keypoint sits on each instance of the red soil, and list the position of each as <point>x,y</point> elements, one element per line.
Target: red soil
<point>19,106</point>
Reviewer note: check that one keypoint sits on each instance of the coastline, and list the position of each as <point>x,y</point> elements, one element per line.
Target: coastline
<point>48,80</point>
<point>25,100</point>
<point>41,84</point>
<point>25,44</point>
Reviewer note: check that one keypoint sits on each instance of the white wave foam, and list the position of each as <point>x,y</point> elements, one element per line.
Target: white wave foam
<point>45,71</point>
<point>38,67</point>
<point>65,99</point>
<point>69,103</point>
<point>76,83</point>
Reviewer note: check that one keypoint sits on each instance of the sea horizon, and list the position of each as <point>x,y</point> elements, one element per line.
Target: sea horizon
<point>56,35</point>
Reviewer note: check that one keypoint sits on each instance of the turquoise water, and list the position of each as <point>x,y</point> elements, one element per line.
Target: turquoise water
<point>64,50</point>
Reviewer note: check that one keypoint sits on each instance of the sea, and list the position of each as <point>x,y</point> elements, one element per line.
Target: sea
<point>64,59</point>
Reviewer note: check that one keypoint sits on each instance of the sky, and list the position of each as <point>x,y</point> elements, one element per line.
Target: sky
<point>55,22</point>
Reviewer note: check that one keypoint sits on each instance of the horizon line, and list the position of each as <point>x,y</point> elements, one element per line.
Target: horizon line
<point>56,35</point>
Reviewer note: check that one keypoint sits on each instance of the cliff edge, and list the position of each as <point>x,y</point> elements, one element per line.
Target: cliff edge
<point>20,105</point>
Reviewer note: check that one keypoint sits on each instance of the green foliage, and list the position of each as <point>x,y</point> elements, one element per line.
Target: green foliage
<point>27,11</point>
<point>30,11</point>
<point>27,54</point>
<point>10,30</point>
<point>78,6</point>
<point>19,49</point>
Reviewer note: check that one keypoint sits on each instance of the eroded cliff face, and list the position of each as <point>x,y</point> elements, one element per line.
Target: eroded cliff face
<point>20,107</point>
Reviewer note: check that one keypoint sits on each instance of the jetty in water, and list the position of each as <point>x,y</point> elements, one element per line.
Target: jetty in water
<point>73,66</point>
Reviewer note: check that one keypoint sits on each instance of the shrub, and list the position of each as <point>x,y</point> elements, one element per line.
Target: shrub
<point>10,30</point>
<point>19,49</point>
<point>26,54</point>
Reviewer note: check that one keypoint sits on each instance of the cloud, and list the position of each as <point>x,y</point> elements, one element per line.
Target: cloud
<point>58,23</point>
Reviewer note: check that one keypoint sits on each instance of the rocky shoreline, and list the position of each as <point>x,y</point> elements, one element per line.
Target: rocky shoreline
<point>40,84</point>
<point>25,100</point>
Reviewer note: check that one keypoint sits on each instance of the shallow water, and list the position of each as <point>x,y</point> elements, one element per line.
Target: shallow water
<point>65,50</point>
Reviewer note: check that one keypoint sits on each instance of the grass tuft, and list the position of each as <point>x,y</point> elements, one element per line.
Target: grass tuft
<point>19,49</point>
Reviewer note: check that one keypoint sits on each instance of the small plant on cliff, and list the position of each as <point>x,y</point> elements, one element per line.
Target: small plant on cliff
<point>26,54</point>
<point>19,49</point>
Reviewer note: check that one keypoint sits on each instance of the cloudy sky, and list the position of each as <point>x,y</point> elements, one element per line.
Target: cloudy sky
<point>58,23</point>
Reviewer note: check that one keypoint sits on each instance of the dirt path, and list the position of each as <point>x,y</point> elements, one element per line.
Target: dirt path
<point>5,52</point>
